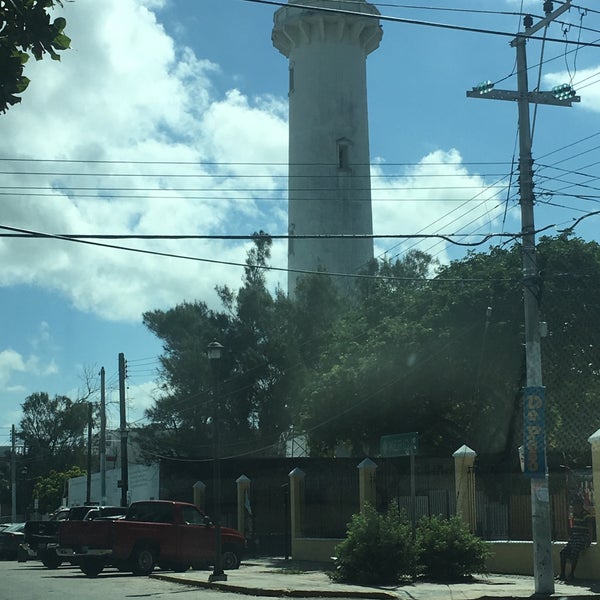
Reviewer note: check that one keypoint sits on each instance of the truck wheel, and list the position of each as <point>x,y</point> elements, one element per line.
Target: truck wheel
<point>143,561</point>
<point>51,560</point>
<point>230,560</point>
<point>91,566</point>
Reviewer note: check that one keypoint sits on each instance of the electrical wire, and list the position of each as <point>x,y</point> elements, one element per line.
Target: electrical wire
<point>413,21</point>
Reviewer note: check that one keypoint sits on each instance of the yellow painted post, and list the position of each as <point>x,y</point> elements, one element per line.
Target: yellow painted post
<point>366,483</point>
<point>464,479</point>
<point>243,503</point>
<point>594,441</point>
<point>199,489</point>
<point>296,504</point>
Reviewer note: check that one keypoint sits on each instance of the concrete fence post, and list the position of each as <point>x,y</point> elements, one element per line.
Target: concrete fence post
<point>244,510</point>
<point>296,503</point>
<point>464,479</point>
<point>199,489</point>
<point>367,484</point>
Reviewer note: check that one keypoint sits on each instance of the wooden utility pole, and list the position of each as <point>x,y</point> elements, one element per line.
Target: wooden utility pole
<point>534,393</point>
<point>102,443</point>
<point>124,483</point>
<point>13,474</point>
<point>88,479</point>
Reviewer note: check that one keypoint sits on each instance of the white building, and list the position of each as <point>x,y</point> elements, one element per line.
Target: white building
<point>144,484</point>
<point>143,479</point>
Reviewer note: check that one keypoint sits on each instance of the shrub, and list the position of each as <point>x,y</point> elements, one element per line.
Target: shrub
<point>448,550</point>
<point>378,549</point>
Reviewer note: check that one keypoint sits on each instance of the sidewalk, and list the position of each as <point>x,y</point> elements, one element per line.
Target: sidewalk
<point>277,577</point>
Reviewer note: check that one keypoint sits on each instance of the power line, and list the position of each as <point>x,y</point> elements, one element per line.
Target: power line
<point>449,9</point>
<point>418,22</point>
<point>72,237</point>
<point>220,163</point>
<point>215,261</point>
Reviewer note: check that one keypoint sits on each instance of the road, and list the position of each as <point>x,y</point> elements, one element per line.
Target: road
<point>32,581</point>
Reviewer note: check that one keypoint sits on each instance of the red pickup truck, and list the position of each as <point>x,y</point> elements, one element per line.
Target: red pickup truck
<point>172,535</point>
<point>41,536</point>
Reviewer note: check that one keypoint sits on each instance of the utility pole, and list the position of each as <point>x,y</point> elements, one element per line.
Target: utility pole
<point>102,443</point>
<point>534,394</point>
<point>13,474</point>
<point>124,483</point>
<point>88,479</point>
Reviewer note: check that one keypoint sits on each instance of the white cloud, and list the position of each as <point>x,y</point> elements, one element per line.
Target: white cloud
<point>10,362</point>
<point>127,92</point>
<point>35,366</point>
<point>436,196</point>
<point>43,338</point>
<point>139,398</point>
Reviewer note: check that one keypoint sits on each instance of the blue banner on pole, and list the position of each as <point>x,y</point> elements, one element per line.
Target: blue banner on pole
<point>534,432</point>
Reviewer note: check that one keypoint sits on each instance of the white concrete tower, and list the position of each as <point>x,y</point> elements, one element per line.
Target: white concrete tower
<point>329,177</point>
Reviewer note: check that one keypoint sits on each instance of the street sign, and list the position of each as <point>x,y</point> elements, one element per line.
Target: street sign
<point>534,432</point>
<point>399,444</point>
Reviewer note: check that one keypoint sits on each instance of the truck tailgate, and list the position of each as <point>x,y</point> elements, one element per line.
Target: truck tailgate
<point>89,534</point>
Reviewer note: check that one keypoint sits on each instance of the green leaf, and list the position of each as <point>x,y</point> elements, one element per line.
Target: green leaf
<point>22,56</point>
<point>22,85</point>
<point>61,42</point>
<point>59,23</point>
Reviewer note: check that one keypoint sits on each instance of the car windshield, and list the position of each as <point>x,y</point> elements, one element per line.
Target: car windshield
<point>13,528</point>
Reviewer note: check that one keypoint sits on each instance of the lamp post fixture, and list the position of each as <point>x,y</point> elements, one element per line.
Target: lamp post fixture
<point>214,352</point>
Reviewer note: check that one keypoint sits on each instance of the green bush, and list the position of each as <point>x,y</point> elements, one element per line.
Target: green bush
<point>378,549</point>
<point>448,550</point>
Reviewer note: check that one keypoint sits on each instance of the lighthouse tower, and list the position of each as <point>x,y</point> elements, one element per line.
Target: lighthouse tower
<point>329,177</point>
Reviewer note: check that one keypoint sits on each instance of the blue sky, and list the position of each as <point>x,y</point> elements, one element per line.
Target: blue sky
<point>160,95</point>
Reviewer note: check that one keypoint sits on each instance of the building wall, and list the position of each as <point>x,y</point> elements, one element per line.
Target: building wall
<point>143,485</point>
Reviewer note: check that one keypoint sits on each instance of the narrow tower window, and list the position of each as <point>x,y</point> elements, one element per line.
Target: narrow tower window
<point>291,232</point>
<point>291,78</point>
<point>343,148</point>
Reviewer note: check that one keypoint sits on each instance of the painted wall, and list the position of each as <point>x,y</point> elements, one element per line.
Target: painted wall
<point>517,558</point>
<point>514,558</point>
<point>143,485</point>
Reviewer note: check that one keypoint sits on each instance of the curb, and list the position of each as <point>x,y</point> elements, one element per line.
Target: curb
<point>366,595</point>
<point>279,592</point>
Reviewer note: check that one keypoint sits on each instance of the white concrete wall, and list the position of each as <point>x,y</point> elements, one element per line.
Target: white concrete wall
<point>143,485</point>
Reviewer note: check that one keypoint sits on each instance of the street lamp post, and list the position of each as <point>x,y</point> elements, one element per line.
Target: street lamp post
<point>215,351</point>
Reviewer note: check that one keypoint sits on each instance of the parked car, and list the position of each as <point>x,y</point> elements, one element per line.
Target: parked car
<point>11,538</point>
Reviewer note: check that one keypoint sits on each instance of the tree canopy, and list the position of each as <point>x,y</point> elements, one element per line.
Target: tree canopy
<point>51,489</point>
<point>248,379</point>
<point>436,349</point>
<point>26,27</point>
<point>53,432</point>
